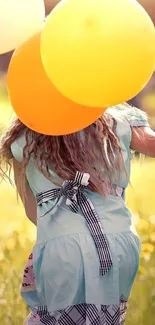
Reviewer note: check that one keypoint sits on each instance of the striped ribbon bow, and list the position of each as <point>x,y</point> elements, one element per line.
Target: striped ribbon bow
<point>77,200</point>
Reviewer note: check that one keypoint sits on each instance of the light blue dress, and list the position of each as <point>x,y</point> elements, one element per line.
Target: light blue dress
<point>66,263</point>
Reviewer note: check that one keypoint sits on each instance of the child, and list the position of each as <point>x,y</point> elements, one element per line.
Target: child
<point>87,251</point>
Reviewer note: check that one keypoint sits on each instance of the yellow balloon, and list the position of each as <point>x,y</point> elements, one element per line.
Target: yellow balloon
<point>19,20</point>
<point>98,52</point>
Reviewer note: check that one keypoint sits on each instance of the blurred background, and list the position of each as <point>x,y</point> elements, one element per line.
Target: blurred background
<point>17,235</point>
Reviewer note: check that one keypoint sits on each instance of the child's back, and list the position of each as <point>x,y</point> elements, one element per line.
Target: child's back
<point>87,252</point>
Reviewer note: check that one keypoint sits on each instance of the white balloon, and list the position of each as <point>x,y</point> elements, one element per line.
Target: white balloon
<point>19,20</point>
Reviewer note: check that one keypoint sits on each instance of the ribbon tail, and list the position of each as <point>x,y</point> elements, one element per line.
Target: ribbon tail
<point>95,228</point>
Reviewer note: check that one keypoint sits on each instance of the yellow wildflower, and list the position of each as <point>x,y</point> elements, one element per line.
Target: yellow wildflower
<point>146,247</point>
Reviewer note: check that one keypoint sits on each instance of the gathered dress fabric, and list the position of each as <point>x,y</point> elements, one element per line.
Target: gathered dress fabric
<point>86,255</point>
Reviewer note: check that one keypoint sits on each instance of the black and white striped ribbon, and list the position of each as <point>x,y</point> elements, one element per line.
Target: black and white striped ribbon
<point>77,200</point>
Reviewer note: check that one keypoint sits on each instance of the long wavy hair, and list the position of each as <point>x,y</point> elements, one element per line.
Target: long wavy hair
<point>94,150</point>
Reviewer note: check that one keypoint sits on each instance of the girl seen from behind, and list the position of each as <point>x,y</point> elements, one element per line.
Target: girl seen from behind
<point>86,255</point>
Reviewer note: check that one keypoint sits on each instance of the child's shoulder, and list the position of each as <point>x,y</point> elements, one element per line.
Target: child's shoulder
<point>126,113</point>
<point>126,117</point>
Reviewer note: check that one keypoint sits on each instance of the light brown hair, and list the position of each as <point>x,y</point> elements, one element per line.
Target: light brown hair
<point>94,150</point>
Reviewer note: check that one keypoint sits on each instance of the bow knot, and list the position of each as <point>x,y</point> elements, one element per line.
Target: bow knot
<point>70,191</point>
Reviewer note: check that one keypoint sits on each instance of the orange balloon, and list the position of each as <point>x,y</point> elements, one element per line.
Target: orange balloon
<point>35,100</point>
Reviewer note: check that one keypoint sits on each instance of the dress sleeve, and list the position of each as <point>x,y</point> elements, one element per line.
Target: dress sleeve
<point>136,117</point>
<point>127,117</point>
<point>17,148</point>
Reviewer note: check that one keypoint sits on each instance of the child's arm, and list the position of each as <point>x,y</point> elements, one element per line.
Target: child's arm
<point>143,141</point>
<point>26,196</point>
